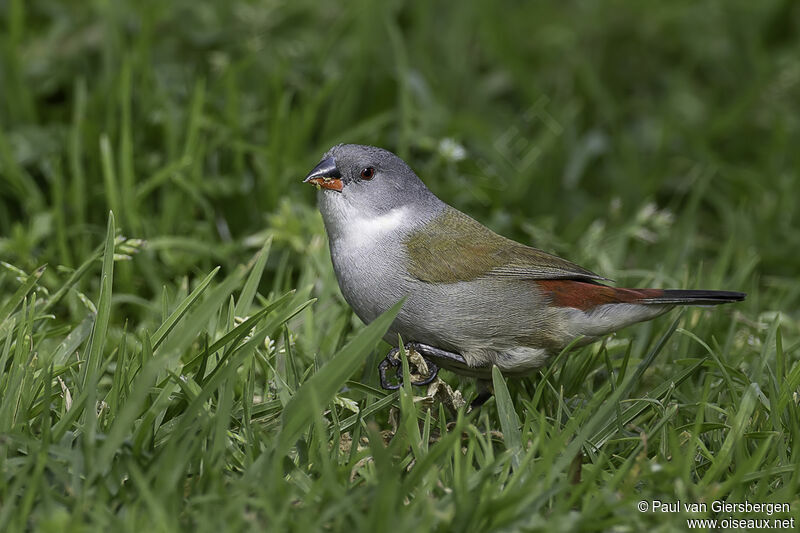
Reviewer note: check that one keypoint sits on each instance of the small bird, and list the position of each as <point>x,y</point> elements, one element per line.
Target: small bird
<point>473,298</point>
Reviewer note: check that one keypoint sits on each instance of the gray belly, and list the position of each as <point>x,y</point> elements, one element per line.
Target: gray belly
<point>477,317</point>
<point>484,320</point>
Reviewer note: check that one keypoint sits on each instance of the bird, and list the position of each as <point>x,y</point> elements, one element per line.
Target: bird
<point>473,298</point>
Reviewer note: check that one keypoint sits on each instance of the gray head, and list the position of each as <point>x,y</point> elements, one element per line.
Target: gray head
<point>366,181</point>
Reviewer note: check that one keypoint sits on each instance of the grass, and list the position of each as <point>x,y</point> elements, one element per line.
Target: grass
<point>174,350</point>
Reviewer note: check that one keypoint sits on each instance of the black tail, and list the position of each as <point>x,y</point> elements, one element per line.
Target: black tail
<point>692,297</point>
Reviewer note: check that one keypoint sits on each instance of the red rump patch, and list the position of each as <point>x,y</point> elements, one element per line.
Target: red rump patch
<point>584,296</point>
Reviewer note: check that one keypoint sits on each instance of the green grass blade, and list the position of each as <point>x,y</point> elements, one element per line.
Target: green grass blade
<point>94,350</point>
<point>241,330</point>
<point>741,416</point>
<point>96,343</point>
<point>509,421</point>
<point>21,293</point>
<point>110,175</point>
<point>71,342</point>
<point>329,379</point>
<point>74,278</point>
<point>123,424</point>
<point>184,333</point>
<point>163,330</point>
<point>253,279</point>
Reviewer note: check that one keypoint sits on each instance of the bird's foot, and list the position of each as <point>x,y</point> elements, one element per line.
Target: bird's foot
<point>424,366</point>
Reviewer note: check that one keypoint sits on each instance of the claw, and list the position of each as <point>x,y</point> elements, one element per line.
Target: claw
<point>433,371</point>
<point>387,361</point>
<point>392,360</point>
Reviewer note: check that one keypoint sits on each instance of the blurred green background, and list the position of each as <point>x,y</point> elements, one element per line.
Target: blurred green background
<point>572,116</point>
<point>653,142</point>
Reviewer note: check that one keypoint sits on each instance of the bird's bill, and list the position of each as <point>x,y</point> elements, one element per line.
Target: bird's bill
<point>326,175</point>
<point>333,184</point>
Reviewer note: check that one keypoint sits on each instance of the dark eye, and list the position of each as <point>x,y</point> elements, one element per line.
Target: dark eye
<point>367,173</point>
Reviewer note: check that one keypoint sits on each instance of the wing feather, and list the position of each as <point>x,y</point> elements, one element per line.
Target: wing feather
<point>455,247</point>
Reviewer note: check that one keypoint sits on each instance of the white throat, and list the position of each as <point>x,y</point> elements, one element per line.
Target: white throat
<point>364,230</point>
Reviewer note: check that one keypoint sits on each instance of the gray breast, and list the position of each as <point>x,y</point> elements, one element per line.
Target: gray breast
<point>370,278</point>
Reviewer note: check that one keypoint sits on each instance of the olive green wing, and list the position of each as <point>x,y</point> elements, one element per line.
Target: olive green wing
<point>455,247</point>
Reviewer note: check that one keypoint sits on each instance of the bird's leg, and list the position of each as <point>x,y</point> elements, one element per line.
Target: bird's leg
<point>427,353</point>
<point>484,389</point>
